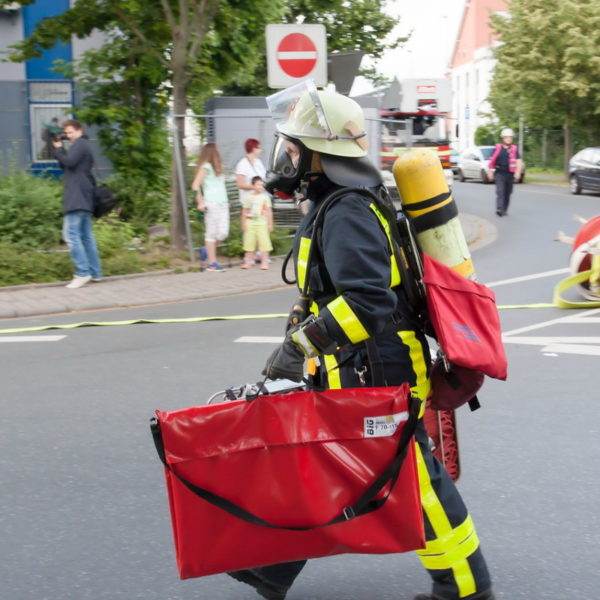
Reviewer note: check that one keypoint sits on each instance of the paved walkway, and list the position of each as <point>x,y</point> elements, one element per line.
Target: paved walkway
<point>165,286</point>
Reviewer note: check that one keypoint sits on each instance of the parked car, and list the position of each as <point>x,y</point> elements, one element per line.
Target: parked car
<point>584,171</point>
<point>473,164</point>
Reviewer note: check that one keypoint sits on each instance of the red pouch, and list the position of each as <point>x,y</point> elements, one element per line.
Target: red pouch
<point>291,476</point>
<point>464,316</point>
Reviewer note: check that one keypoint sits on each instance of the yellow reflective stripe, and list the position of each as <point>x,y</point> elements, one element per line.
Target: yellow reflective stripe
<point>333,372</point>
<point>302,261</point>
<point>422,386</point>
<point>449,540</point>
<point>431,505</point>
<point>455,559</point>
<point>452,558</point>
<point>394,271</point>
<point>347,320</point>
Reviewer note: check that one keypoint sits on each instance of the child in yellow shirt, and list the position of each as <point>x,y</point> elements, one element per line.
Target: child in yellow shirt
<point>257,223</point>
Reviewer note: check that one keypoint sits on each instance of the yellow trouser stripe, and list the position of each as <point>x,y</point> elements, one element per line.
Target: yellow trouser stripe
<point>302,261</point>
<point>455,558</point>
<point>454,538</point>
<point>347,320</point>
<point>422,386</point>
<point>333,372</point>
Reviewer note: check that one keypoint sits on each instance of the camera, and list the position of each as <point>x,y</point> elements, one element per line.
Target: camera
<point>60,137</point>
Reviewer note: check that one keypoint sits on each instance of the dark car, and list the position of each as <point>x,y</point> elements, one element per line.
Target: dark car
<point>584,171</point>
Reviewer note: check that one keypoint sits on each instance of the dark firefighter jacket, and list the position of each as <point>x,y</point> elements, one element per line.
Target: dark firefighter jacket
<point>354,285</point>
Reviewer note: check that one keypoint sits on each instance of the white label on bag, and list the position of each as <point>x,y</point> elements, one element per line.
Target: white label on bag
<point>384,426</point>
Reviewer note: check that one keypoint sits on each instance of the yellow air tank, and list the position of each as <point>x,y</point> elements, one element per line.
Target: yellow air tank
<point>427,201</point>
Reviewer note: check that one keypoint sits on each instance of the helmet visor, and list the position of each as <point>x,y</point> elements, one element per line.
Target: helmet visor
<point>298,112</point>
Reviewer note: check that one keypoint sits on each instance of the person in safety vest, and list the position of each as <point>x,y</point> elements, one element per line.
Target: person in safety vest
<point>504,168</point>
<point>360,328</point>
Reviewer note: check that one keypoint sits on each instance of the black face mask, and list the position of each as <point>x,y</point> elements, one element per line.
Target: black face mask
<point>287,170</point>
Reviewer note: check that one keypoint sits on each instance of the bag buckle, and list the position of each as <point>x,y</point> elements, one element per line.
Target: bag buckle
<point>349,513</point>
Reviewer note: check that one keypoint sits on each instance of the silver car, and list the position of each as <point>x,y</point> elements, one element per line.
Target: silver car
<point>473,163</point>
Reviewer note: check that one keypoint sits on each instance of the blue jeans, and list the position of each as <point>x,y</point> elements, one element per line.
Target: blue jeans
<point>77,232</point>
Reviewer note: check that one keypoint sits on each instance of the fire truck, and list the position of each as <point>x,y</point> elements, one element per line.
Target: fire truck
<point>413,114</point>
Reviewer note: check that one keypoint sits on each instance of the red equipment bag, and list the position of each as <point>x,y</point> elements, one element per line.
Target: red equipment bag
<point>465,318</point>
<point>291,476</point>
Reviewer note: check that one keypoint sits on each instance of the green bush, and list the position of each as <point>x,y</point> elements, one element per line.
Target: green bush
<point>139,204</point>
<point>30,210</point>
<point>19,266</point>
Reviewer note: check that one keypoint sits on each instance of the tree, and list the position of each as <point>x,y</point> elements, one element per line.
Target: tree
<point>548,67</point>
<point>359,25</point>
<point>180,49</point>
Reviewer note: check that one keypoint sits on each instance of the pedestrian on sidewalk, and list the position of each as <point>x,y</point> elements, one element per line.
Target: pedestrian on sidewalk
<point>504,168</point>
<point>211,199</point>
<point>78,202</point>
<point>248,167</point>
<point>257,223</point>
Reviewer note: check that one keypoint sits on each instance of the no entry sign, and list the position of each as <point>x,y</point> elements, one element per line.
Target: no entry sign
<point>296,52</point>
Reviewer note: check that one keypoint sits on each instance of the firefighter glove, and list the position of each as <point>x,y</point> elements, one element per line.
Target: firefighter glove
<point>286,362</point>
<point>312,337</point>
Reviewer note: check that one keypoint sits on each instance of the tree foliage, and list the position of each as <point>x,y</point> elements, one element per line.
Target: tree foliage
<point>359,25</point>
<point>161,54</point>
<point>548,67</point>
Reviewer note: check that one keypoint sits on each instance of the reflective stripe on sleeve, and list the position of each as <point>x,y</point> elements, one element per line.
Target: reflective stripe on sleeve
<point>347,320</point>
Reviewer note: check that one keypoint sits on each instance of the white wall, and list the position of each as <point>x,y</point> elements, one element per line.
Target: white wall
<point>471,86</point>
<point>11,32</point>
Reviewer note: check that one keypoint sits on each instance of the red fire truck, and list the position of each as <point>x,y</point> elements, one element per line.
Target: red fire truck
<point>413,116</point>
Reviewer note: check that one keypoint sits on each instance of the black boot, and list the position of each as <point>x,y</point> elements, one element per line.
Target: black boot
<point>266,589</point>
<point>487,595</point>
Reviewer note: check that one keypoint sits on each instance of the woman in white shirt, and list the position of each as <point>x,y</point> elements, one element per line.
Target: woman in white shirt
<point>248,167</point>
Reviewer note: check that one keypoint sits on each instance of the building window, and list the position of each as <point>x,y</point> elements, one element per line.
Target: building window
<point>50,103</point>
<point>46,122</point>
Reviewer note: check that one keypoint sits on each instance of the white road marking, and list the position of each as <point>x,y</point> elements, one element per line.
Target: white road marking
<point>259,339</point>
<point>31,338</point>
<point>573,349</point>
<point>543,341</point>
<point>527,277</point>
<point>575,318</point>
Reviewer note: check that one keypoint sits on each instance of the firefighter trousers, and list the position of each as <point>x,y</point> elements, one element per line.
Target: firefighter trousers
<point>452,555</point>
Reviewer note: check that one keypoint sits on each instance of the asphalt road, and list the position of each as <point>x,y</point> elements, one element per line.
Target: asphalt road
<point>84,511</point>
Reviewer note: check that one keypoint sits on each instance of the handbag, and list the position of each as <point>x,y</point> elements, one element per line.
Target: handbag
<point>291,476</point>
<point>104,201</point>
<point>465,318</point>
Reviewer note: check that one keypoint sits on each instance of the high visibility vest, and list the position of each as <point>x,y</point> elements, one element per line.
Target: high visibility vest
<point>512,157</point>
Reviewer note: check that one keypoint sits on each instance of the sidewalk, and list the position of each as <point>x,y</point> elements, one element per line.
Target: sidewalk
<point>164,286</point>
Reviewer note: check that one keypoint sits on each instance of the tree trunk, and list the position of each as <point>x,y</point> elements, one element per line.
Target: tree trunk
<point>179,241</point>
<point>568,134</point>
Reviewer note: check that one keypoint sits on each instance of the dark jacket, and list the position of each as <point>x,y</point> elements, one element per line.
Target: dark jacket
<point>78,179</point>
<point>350,283</point>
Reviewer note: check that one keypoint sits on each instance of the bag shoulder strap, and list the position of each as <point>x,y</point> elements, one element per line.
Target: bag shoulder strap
<point>365,504</point>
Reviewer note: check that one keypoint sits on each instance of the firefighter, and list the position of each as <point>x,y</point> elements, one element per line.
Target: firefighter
<point>354,295</point>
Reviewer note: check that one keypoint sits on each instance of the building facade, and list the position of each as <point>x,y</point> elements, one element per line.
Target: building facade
<point>34,100</point>
<point>471,70</point>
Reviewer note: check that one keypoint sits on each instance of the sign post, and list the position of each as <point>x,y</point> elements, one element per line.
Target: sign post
<point>294,53</point>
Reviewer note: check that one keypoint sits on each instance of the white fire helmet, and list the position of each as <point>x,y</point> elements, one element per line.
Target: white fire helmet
<point>326,122</point>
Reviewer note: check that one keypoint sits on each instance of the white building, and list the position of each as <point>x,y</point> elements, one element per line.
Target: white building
<point>471,71</point>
